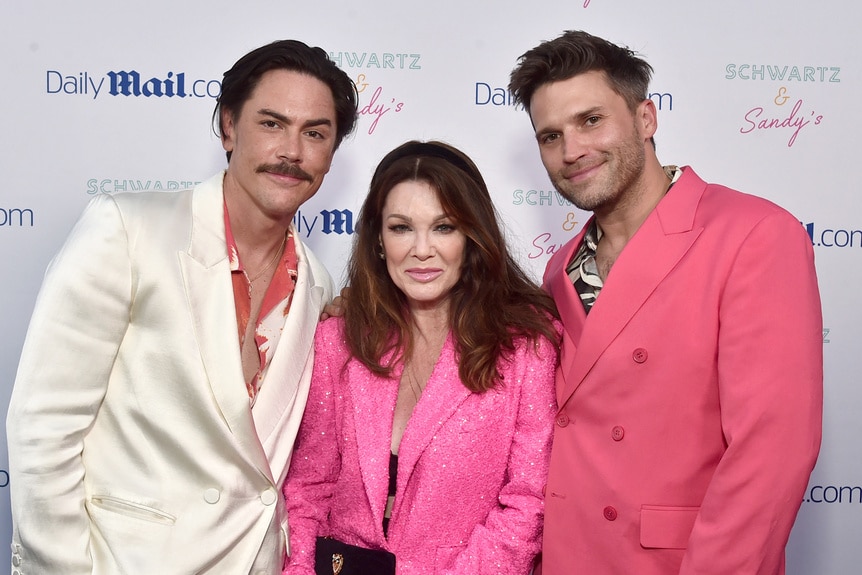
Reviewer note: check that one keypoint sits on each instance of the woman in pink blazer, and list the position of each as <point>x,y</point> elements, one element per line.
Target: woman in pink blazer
<point>428,425</point>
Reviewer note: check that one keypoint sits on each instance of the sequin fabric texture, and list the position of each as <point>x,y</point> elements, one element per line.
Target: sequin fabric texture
<point>471,467</point>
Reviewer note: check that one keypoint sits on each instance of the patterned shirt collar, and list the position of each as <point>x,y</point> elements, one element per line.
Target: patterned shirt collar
<point>582,269</point>
<point>275,305</point>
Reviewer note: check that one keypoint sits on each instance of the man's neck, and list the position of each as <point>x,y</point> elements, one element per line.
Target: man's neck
<point>253,231</point>
<point>622,221</point>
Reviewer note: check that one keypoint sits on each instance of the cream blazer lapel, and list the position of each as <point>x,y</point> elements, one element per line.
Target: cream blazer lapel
<point>662,240</point>
<point>278,410</point>
<point>206,272</point>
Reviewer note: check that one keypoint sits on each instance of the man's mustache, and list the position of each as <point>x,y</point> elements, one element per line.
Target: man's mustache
<point>285,169</point>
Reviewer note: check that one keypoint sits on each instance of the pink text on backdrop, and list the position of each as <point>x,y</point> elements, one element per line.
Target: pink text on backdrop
<point>377,110</point>
<point>542,245</point>
<point>793,120</point>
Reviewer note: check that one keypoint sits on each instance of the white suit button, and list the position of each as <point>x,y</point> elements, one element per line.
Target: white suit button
<point>16,560</point>
<point>212,495</point>
<point>268,497</point>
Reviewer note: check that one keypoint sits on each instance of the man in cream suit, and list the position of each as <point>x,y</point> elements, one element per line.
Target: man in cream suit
<point>167,363</point>
<point>690,386</point>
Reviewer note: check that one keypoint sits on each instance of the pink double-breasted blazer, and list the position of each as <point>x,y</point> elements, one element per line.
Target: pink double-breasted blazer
<point>471,467</point>
<point>690,398</point>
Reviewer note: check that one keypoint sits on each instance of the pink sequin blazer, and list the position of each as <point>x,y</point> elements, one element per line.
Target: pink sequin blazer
<point>471,466</point>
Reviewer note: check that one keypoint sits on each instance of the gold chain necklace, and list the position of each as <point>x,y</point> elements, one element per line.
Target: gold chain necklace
<point>416,387</point>
<point>414,384</point>
<point>267,266</point>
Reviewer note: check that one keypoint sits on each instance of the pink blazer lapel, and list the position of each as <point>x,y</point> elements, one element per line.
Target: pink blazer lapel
<point>442,397</point>
<point>373,400</point>
<point>558,284</point>
<point>662,240</point>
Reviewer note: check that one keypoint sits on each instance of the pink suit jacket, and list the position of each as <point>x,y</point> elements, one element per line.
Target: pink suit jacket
<point>690,399</point>
<point>471,467</point>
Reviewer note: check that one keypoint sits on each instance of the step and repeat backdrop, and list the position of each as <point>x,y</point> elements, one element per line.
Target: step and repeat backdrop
<point>760,96</point>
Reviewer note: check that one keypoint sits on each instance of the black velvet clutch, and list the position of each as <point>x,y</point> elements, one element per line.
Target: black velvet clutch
<point>334,557</point>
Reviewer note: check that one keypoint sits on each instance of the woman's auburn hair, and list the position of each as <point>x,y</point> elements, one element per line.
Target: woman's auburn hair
<point>494,302</point>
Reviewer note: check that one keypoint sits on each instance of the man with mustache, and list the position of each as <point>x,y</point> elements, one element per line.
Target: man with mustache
<point>690,386</point>
<point>168,359</point>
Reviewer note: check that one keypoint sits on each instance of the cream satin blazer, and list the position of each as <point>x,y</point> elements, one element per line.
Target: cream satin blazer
<point>132,448</point>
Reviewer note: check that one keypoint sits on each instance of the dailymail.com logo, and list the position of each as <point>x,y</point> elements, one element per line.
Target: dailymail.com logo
<point>335,221</point>
<point>130,83</point>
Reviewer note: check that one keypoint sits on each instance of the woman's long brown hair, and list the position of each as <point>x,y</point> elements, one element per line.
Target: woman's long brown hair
<point>493,303</point>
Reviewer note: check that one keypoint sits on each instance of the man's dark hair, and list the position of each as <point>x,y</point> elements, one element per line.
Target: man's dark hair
<point>240,81</point>
<point>576,52</point>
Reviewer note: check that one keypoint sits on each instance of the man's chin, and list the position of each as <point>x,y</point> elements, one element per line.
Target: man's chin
<point>575,198</point>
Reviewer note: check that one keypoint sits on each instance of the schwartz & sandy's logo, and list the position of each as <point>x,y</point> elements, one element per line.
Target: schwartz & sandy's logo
<point>785,113</point>
<point>544,244</point>
<point>792,118</point>
<point>112,185</point>
<point>783,73</point>
<point>130,83</point>
<point>373,103</point>
<point>331,221</point>
<point>547,243</point>
<point>377,60</point>
<point>539,198</point>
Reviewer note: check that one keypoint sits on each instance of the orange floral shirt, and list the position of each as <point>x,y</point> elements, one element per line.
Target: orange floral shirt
<point>275,306</point>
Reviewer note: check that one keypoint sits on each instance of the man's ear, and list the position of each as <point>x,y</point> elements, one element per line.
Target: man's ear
<point>646,118</point>
<point>227,130</point>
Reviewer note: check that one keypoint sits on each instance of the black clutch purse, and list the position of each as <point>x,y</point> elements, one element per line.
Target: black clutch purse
<point>334,557</point>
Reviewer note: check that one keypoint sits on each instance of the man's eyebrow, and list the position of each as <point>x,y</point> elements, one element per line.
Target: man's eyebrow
<point>594,111</point>
<point>284,119</point>
<point>580,116</point>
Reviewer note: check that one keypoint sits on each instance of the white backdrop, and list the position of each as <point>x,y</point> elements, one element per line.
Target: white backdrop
<point>761,96</point>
